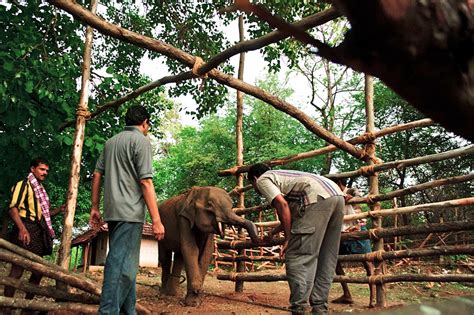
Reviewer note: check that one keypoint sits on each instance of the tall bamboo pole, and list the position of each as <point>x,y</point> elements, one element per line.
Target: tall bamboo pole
<point>374,180</point>
<point>239,285</point>
<point>76,156</point>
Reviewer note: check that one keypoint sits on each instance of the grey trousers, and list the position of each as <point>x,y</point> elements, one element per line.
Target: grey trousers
<point>312,254</point>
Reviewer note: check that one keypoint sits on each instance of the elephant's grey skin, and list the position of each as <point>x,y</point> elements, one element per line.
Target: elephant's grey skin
<point>190,220</point>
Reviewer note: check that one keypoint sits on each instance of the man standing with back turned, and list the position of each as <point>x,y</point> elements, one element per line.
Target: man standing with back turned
<point>310,209</point>
<point>126,164</point>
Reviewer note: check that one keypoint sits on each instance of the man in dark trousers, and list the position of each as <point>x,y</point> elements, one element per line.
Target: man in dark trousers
<point>30,211</point>
<point>310,210</point>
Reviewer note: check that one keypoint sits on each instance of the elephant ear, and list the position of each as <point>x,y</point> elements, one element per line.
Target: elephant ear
<point>194,201</point>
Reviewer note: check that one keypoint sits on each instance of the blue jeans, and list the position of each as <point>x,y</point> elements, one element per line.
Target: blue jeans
<point>121,267</point>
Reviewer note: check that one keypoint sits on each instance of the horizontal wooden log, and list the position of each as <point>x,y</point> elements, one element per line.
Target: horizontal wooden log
<point>442,205</point>
<point>389,255</point>
<point>408,162</point>
<point>252,276</point>
<point>250,258</point>
<point>330,148</point>
<point>384,213</point>
<point>47,305</point>
<point>360,235</point>
<point>59,275</point>
<point>267,224</point>
<point>413,189</point>
<point>409,230</point>
<point>29,255</point>
<point>410,253</point>
<point>379,279</point>
<point>49,291</point>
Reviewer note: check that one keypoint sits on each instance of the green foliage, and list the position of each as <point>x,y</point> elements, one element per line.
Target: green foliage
<point>37,87</point>
<point>41,65</point>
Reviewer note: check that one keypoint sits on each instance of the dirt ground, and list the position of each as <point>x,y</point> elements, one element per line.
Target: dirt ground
<point>219,297</point>
<point>272,297</point>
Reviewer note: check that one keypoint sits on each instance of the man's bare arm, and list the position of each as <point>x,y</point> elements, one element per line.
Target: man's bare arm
<point>23,235</point>
<point>150,199</point>
<point>95,218</point>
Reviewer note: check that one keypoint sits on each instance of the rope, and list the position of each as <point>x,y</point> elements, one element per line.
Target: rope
<point>198,62</point>
<point>367,170</point>
<point>368,137</point>
<point>377,255</point>
<point>373,235</point>
<point>83,112</point>
<point>370,199</point>
<point>373,279</point>
<point>182,278</point>
<point>233,276</point>
<point>232,244</point>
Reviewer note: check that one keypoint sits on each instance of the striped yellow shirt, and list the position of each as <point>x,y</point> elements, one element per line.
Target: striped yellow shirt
<point>23,198</point>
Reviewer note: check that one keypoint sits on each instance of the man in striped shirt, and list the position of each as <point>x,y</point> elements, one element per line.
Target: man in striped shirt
<point>310,210</point>
<point>26,212</point>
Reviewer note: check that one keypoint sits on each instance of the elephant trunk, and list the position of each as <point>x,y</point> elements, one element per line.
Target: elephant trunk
<point>233,219</point>
<point>251,229</point>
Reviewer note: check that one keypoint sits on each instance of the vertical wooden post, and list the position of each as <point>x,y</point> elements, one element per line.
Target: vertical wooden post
<point>75,259</point>
<point>76,155</point>
<point>395,224</point>
<point>86,257</point>
<point>239,285</point>
<point>374,181</point>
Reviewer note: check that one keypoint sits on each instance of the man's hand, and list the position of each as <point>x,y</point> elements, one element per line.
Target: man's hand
<point>24,236</point>
<point>95,219</point>
<point>158,230</point>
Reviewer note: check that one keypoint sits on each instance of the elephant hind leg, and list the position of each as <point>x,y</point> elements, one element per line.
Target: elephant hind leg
<point>165,262</point>
<point>175,276</point>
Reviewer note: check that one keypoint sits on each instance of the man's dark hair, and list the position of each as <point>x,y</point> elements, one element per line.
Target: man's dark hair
<point>37,161</point>
<point>136,115</point>
<point>257,170</point>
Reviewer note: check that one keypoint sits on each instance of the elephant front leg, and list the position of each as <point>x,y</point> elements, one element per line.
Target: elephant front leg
<point>190,252</point>
<point>206,250</point>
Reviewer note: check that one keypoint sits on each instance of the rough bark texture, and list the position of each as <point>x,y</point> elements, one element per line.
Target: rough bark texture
<point>420,49</point>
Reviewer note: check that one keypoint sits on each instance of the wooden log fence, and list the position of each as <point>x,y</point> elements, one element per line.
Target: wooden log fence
<point>383,213</point>
<point>410,253</point>
<point>270,277</point>
<point>16,255</point>
<point>47,305</point>
<point>330,148</point>
<point>382,255</point>
<point>404,163</point>
<point>360,235</point>
<point>442,205</point>
<point>412,189</point>
<point>56,274</point>
<point>50,292</point>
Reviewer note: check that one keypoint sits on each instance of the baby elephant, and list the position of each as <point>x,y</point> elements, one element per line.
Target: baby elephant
<point>190,220</point>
